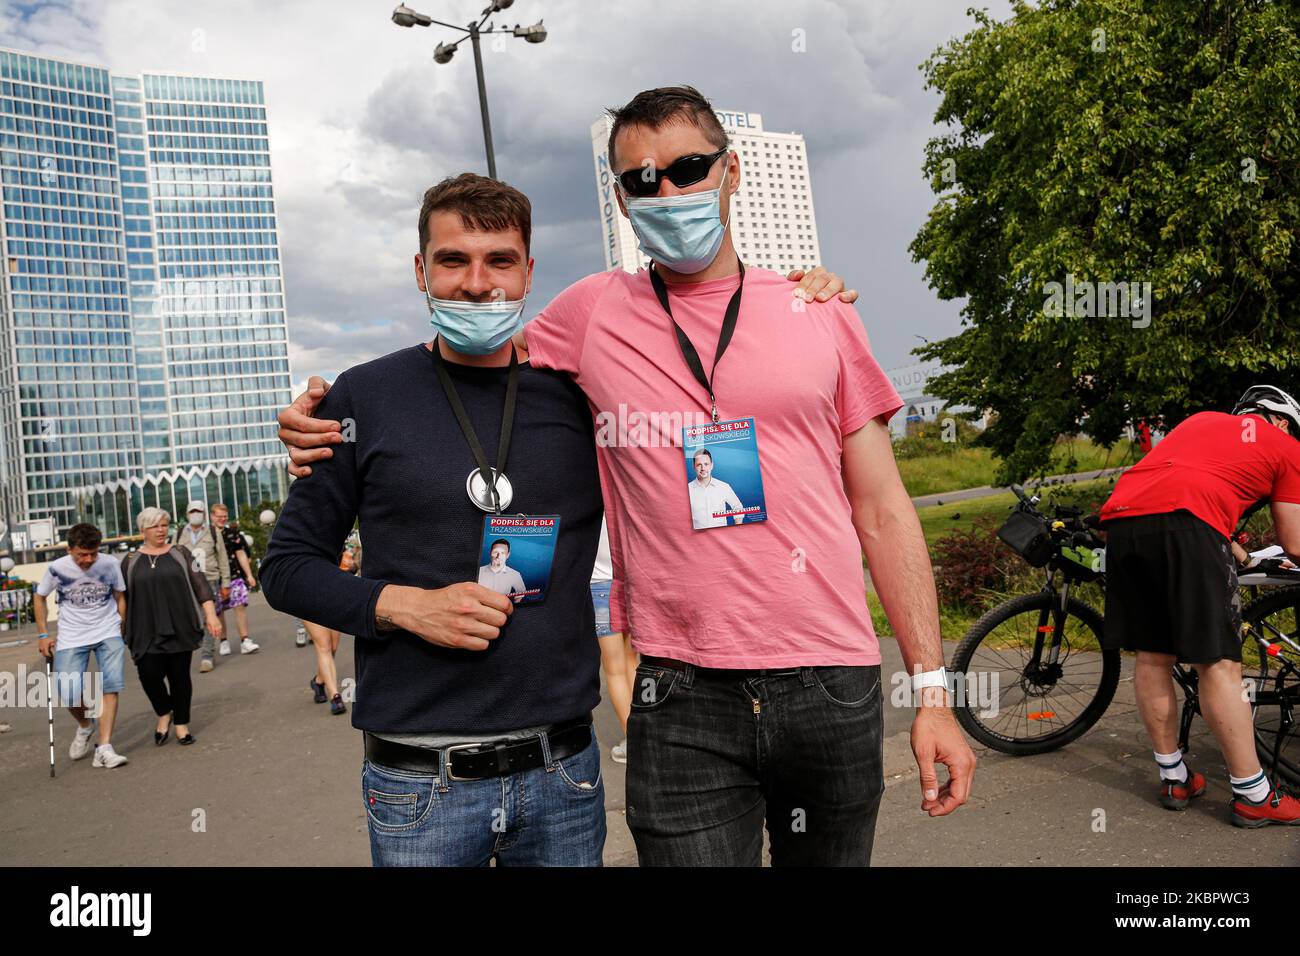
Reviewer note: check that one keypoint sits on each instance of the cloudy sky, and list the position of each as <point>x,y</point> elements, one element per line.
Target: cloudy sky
<point>362,121</point>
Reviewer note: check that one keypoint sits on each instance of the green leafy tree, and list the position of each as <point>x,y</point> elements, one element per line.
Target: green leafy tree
<point>1114,141</point>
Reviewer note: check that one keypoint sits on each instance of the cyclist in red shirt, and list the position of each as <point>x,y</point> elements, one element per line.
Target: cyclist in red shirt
<point>1171,582</point>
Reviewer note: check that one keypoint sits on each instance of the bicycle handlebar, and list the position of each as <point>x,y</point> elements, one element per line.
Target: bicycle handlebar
<point>1020,493</point>
<point>1074,522</point>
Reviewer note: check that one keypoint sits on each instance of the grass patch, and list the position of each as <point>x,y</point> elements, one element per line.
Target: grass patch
<point>953,622</point>
<point>969,467</point>
<point>961,468</point>
<point>938,520</point>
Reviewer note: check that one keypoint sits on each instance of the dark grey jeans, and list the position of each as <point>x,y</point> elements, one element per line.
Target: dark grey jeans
<point>713,754</point>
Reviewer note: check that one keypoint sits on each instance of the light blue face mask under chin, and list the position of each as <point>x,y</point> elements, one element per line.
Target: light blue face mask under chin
<point>475,328</point>
<point>682,233</point>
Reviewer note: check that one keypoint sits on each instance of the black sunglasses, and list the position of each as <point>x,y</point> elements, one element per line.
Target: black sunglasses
<point>687,171</point>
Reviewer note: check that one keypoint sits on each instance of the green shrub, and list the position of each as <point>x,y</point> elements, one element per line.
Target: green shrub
<point>928,438</point>
<point>969,563</point>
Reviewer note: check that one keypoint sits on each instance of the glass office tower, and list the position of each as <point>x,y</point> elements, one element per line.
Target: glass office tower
<point>144,345</point>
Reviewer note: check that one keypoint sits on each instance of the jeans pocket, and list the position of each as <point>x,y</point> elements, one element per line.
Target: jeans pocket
<point>581,772</point>
<point>396,800</point>
<point>848,686</point>
<point>653,686</point>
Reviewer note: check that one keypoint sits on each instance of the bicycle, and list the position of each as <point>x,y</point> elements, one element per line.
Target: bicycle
<point>1065,678</point>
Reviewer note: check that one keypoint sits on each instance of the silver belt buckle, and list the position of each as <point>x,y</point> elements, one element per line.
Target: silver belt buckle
<point>449,751</point>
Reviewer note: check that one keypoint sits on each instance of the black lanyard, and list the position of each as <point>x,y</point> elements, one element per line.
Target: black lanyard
<point>688,349</point>
<point>507,420</point>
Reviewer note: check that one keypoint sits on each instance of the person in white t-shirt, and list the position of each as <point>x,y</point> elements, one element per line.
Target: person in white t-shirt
<point>710,495</point>
<point>92,605</point>
<point>499,576</point>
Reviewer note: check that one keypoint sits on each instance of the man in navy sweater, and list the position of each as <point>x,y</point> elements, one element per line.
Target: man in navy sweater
<point>476,712</point>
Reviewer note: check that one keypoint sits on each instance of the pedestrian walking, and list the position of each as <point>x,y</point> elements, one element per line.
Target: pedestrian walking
<point>168,602</point>
<point>209,554</point>
<point>241,579</point>
<point>92,603</point>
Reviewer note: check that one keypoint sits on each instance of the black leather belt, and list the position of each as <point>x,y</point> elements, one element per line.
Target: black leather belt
<point>480,761</point>
<point>719,673</point>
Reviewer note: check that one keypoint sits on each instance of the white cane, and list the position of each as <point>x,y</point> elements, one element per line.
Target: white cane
<point>49,699</point>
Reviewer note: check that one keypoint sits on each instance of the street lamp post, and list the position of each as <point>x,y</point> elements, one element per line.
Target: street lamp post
<point>404,16</point>
<point>482,101</point>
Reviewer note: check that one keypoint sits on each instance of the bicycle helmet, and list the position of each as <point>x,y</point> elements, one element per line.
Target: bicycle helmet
<point>1270,400</point>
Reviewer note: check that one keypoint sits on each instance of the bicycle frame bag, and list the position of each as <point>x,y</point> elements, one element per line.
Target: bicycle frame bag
<point>1083,563</point>
<point>1028,537</point>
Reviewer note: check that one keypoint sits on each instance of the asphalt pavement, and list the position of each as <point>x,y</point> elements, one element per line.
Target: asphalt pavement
<point>274,779</point>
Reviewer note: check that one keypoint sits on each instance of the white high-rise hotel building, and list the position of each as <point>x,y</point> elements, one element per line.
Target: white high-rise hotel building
<point>772,219</point>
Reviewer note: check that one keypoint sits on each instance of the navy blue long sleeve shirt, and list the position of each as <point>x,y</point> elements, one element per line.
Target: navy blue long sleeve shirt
<point>403,476</point>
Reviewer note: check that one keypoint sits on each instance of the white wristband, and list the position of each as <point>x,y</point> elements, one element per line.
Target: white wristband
<point>934,678</point>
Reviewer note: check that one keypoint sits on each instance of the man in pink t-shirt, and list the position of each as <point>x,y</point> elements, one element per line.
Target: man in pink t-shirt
<point>759,688</point>
<point>759,694</point>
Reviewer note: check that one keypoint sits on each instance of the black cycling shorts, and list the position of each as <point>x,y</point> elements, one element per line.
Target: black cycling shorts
<point>1171,588</point>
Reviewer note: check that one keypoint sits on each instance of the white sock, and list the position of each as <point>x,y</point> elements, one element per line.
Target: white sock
<point>1254,788</point>
<point>1172,766</point>
<point>85,731</point>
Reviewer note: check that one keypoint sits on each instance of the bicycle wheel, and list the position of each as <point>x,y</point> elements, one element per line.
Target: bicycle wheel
<point>1274,682</point>
<point>1035,708</point>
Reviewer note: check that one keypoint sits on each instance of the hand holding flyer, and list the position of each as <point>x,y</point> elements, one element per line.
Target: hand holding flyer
<point>516,554</point>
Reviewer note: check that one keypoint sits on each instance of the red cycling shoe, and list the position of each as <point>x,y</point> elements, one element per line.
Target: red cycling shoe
<point>1277,807</point>
<point>1176,796</point>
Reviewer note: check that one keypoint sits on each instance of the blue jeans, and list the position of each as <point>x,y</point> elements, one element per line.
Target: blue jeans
<point>548,816</point>
<point>713,755</point>
<point>70,668</point>
<point>600,602</point>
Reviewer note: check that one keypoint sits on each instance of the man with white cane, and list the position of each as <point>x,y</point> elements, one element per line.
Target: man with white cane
<point>92,602</point>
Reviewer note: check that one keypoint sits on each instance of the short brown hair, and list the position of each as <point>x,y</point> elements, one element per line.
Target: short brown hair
<point>482,203</point>
<point>85,536</point>
<point>668,104</point>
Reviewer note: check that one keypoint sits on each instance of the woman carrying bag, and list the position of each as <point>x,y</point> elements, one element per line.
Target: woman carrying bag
<point>167,602</point>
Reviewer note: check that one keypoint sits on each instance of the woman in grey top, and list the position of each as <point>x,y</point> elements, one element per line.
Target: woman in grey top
<point>164,623</point>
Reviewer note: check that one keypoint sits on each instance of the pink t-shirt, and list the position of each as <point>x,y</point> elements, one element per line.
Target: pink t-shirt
<point>784,592</point>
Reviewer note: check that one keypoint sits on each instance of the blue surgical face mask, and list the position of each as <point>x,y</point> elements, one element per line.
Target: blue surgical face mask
<point>683,233</point>
<point>474,328</point>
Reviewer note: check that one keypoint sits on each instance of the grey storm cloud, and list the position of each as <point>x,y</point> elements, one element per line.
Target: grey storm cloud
<point>362,122</point>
